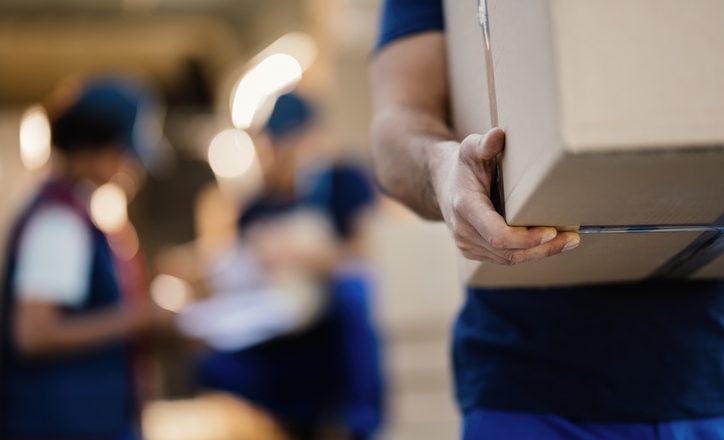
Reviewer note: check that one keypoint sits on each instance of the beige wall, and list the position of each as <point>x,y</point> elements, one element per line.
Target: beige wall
<point>15,182</point>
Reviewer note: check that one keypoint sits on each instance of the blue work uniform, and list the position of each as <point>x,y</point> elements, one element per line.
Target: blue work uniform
<point>344,192</point>
<point>85,395</point>
<point>632,360</point>
<point>331,371</point>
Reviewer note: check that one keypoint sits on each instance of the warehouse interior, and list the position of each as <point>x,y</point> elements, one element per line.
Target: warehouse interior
<point>194,52</point>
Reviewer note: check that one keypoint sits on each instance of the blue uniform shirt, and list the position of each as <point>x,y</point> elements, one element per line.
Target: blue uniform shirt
<point>86,395</point>
<point>625,352</point>
<point>401,18</point>
<point>335,364</point>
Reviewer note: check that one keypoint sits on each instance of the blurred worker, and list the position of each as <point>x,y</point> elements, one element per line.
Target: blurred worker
<point>328,372</point>
<point>344,193</point>
<point>67,364</point>
<point>625,361</point>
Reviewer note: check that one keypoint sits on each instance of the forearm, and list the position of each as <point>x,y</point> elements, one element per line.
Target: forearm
<point>409,148</point>
<point>46,332</point>
<point>419,163</point>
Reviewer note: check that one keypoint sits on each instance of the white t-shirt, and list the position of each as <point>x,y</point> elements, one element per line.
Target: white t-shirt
<point>55,257</point>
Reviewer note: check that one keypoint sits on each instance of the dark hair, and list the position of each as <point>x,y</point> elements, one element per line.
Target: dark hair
<point>102,113</point>
<point>76,130</point>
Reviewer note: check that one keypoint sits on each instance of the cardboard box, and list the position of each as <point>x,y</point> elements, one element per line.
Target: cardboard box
<point>601,258</point>
<point>614,109</point>
<point>614,113</point>
<point>714,270</point>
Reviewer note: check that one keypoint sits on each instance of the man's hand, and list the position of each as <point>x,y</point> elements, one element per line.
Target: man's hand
<point>418,162</point>
<point>462,181</point>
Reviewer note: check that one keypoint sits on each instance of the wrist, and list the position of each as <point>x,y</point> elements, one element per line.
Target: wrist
<point>441,159</point>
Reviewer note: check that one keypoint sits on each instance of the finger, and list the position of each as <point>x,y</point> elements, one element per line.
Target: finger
<point>486,147</point>
<point>474,247</point>
<point>479,254</point>
<point>503,256</point>
<point>564,242</point>
<point>495,231</point>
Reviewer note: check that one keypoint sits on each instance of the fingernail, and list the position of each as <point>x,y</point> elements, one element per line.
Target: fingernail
<point>572,244</point>
<point>548,235</point>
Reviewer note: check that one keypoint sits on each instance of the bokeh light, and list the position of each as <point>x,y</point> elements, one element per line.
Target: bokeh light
<point>296,44</point>
<point>207,417</point>
<point>231,153</point>
<point>109,208</point>
<point>34,138</point>
<point>271,76</point>
<point>170,292</point>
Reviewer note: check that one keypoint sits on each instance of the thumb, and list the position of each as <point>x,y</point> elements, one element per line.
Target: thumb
<point>479,147</point>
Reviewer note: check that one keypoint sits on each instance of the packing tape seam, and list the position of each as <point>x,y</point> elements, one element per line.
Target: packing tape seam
<point>648,150</point>
<point>706,248</point>
<point>484,19</point>
<point>498,191</point>
<point>647,229</point>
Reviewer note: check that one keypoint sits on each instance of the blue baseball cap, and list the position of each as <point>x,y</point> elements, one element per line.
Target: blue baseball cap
<point>291,115</point>
<point>118,111</point>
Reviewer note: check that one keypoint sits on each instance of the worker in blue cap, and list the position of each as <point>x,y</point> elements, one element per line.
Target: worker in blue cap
<point>66,358</point>
<point>329,373</point>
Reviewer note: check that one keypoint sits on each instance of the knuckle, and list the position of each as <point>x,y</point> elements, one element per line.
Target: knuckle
<point>511,258</point>
<point>470,144</point>
<point>498,242</point>
<point>506,259</point>
<point>471,140</point>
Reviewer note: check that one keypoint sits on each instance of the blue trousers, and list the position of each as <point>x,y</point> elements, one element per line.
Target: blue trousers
<point>133,433</point>
<point>482,424</point>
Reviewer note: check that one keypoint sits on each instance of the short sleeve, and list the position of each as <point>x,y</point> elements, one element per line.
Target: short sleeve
<point>54,258</point>
<point>401,18</point>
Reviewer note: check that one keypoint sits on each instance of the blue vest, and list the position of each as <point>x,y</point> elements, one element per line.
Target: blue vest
<point>81,395</point>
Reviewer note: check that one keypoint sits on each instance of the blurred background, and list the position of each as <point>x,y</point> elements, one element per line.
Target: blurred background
<point>215,64</point>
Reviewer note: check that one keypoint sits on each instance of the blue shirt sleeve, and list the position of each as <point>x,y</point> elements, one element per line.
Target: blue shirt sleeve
<point>401,18</point>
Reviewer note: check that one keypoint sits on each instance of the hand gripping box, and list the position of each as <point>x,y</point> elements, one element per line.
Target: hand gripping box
<point>614,113</point>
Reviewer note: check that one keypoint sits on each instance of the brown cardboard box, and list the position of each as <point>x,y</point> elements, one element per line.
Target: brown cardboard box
<point>614,112</point>
<point>715,269</point>
<point>614,109</point>
<point>599,258</point>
